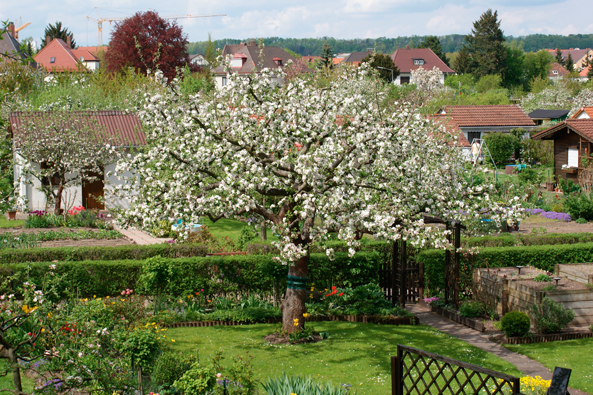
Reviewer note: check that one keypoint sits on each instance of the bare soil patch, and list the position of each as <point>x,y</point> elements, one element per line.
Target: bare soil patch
<point>87,243</point>
<point>276,338</point>
<point>553,226</point>
<point>21,230</point>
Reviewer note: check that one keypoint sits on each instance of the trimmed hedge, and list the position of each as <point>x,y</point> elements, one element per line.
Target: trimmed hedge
<point>542,257</point>
<point>527,240</point>
<point>239,274</point>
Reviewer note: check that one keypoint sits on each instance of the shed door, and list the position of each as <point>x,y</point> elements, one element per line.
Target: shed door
<point>573,157</point>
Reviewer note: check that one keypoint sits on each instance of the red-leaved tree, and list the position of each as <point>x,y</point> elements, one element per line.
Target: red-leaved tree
<point>146,41</point>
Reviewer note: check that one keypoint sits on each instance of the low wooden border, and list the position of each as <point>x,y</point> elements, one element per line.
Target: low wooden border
<point>346,318</point>
<point>548,338</point>
<point>454,316</point>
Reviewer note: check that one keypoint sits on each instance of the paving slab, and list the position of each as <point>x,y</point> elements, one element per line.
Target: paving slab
<point>524,364</point>
<point>140,237</point>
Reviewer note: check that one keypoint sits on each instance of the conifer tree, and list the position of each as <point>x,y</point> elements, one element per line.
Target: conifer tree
<point>559,57</point>
<point>434,43</point>
<point>57,31</point>
<point>569,64</point>
<point>327,56</point>
<point>485,46</point>
<point>462,63</point>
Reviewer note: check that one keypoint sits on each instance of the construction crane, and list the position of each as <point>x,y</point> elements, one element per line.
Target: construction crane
<point>100,20</point>
<point>18,29</point>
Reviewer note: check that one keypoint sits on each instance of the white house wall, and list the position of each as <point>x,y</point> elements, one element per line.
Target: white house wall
<point>111,183</point>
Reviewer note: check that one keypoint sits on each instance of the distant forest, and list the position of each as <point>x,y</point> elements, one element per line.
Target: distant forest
<point>450,43</point>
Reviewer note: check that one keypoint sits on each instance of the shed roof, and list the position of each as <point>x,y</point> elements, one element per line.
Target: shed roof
<point>482,116</point>
<point>356,57</point>
<point>587,110</point>
<point>450,127</point>
<point>583,127</point>
<point>548,114</point>
<point>124,129</point>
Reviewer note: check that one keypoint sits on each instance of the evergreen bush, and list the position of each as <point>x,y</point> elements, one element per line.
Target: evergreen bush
<point>515,324</point>
<point>550,316</point>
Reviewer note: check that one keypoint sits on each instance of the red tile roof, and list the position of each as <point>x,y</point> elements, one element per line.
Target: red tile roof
<point>560,70</point>
<point>482,116</point>
<point>575,54</point>
<point>583,127</point>
<point>251,54</point>
<point>586,110</point>
<point>404,60</point>
<point>450,127</point>
<point>65,58</point>
<point>95,50</point>
<point>125,129</point>
<point>310,58</point>
<point>584,71</point>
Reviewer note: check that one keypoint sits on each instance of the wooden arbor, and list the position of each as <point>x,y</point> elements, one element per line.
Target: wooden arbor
<point>404,283</point>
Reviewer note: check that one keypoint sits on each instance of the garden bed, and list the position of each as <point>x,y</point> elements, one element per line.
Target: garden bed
<point>579,272</point>
<point>548,338</point>
<point>455,316</point>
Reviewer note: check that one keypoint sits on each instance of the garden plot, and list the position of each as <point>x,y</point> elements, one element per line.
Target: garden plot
<point>507,290</point>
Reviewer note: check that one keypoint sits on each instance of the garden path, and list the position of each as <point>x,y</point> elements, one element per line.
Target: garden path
<point>140,237</point>
<point>476,339</point>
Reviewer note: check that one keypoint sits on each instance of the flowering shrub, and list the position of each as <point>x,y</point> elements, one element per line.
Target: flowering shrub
<point>75,210</point>
<point>549,214</point>
<point>534,385</point>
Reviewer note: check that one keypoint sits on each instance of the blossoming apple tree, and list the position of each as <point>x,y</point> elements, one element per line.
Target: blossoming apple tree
<point>309,161</point>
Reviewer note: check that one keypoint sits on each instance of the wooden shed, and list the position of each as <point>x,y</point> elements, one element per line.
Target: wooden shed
<point>573,141</point>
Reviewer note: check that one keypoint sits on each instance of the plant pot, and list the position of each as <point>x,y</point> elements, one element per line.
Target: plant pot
<point>550,186</point>
<point>11,215</point>
<point>571,171</point>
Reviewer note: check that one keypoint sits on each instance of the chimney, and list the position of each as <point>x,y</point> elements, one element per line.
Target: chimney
<point>408,47</point>
<point>11,29</point>
<point>47,40</point>
<point>68,40</point>
<point>252,42</point>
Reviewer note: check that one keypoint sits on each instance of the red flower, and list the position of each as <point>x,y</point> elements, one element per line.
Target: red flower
<point>334,287</point>
<point>341,294</point>
<point>334,292</point>
<point>328,295</point>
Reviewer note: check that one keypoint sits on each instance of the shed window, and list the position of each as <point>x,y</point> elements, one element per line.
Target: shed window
<point>223,81</point>
<point>573,157</point>
<point>52,60</point>
<point>471,136</point>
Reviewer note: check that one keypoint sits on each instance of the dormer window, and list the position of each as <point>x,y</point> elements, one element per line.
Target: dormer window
<point>52,60</point>
<point>418,62</point>
<point>238,60</point>
<point>554,71</point>
<point>278,62</point>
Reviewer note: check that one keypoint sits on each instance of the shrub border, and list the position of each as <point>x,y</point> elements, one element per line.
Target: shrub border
<point>548,338</point>
<point>348,318</point>
<point>456,317</point>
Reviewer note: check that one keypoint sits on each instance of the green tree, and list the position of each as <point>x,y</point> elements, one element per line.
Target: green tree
<point>559,56</point>
<point>485,46</point>
<point>462,62</point>
<point>514,74</point>
<point>57,31</point>
<point>434,43</point>
<point>537,64</point>
<point>488,82</point>
<point>382,62</point>
<point>501,146</point>
<point>210,51</point>
<point>327,56</point>
<point>569,64</point>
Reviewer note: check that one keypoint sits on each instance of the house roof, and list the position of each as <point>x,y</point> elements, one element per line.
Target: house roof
<point>95,50</point>
<point>310,58</point>
<point>583,127</point>
<point>124,129</point>
<point>586,110</point>
<point>251,53</point>
<point>64,58</point>
<point>560,70</point>
<point>584,71</point>
<point>356,57</point>
<point>481,116</point>
<point>449,126</point>
<point>9,45</point>
<point>404,60</point>
<point>575,54</point>
<point>548,114</point>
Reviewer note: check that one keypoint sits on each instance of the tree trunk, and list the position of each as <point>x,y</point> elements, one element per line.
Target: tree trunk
<point>293,306</point>
<point>58,199</point>
<point>264,231</point>
<point>16,371</point>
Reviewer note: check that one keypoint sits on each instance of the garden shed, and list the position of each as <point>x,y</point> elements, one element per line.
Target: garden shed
<point>119,129</point>
<point>573,140</point>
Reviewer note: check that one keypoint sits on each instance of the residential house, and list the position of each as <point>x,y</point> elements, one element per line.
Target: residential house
<point>246,60</point>
<point>356,57</point>
<point>199,60</point>
<point>474,122</point>
<point>310,59</point>
<point>549,117</point>
<point>579,56</point>
<point>408,59</point>
<point>583,113</point>
<point>10,46</point>
<point>583,74</point>
<point>573,141</point>
<point>557,72</point>
<point>122,129</point>
<point>57,56</point>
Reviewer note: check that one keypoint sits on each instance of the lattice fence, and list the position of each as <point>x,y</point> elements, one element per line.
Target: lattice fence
<point>417,372</point>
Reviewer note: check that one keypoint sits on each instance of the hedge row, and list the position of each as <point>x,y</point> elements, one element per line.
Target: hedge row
<point>239,274</point>
<point>513,240</point>
<point>542,257</point>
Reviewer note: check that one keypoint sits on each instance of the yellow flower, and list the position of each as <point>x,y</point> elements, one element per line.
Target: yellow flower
<point>305,315</point>
<point>112,302</point>
<point>173,340</point>
<point>42,330</point>
<point>312,288</point>
<point>311,296</point>
<point>292,393</point>
<point>123,300</point>
<point>26,309</point>
<point>106,297</point>
<point>49,315</point>
<point>94,296</point>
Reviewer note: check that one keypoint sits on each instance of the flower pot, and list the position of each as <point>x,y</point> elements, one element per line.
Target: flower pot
<point>550,186</point>
<point>11,215</point>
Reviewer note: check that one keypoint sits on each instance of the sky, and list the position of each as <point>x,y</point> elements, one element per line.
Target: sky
<point>344,19</point>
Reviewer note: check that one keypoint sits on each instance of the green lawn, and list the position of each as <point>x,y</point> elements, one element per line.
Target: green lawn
<point>231,228</point>
<point>572,354</point>
<point>357,354</point>
<point>4,223</point>
<point>6,381</point>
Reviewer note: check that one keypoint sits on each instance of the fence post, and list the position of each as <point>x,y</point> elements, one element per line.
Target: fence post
<point>403,274</point>
<point>517,387</point>
<point>447,266</point>
<point>456,278</point>
<point>396,374</point>
<point>394,285</point>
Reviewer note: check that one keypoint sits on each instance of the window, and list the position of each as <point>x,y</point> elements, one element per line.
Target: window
<point>471,136</point>
<point>573,157</point>
<point>223,81</point>
<point>554,71</point>
<point>52,60</point>
<point>404,80</point>
<point>418,62</point>
<point>236,63</point>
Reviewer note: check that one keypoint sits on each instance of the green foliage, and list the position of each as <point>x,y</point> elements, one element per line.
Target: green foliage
<point>285,385</point>
<point>467,81</point>
<point>581,221</point>
<point>85,218</point>
<point>514,73</point>
<point>538,84</point>
<point>488,82</point>
<point>570,187</point>
<point>248,233</point>
<point>485,46</point>
<point>142,344</point>
<point>542,278</point>
<point>192,83</point>
<point>537,65</point>
<point>327,56</point>
<point>57,31</point>
<point>515,324</point>
<point>198,380</point>
<point>501,146</point>
<point>156,275</point>
<point>169,367</point>
<point>472,309</point>
<point>530,176</point>
<point>382,62</point>
<point>579,206</point>
<point>550,316</point>
<point>463,62</point>
<point>434,43</point>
